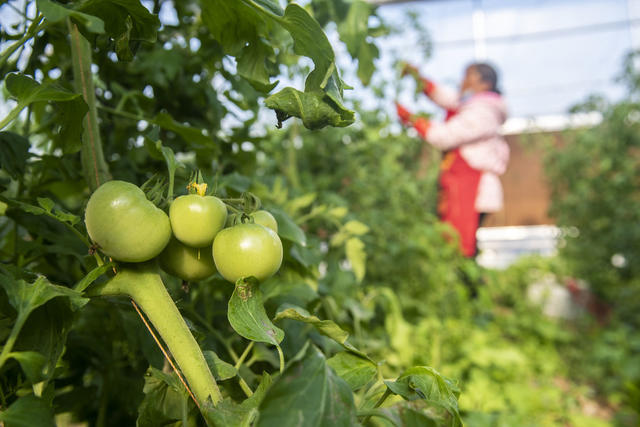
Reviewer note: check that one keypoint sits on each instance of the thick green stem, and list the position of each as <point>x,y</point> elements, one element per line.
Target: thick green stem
<point>144,286</point>
<point>94,166</point>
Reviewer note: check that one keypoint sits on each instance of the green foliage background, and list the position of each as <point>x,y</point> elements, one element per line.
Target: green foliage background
<point>376,307</point>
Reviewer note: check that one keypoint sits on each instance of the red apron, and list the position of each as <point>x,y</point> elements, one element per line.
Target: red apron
<point>458,184</point>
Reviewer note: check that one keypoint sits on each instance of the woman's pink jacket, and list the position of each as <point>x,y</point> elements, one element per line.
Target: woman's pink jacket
<point>474,127</point>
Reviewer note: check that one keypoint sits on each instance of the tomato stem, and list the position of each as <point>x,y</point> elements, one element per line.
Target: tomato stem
<point>94,166</point>
<point>244,355</point>
<point>281,356</point>
<point>145,287</point>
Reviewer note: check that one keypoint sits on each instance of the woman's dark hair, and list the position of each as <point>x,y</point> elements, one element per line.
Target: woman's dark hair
<point>487,74</point>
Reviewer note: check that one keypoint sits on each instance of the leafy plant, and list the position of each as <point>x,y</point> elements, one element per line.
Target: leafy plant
<point>105,92</point>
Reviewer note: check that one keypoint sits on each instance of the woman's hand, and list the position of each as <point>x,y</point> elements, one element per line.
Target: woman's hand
<point>420,123</point>
<point>403,114</point>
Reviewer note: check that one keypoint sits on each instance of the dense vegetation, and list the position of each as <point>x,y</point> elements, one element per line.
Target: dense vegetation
<point>373,318</point>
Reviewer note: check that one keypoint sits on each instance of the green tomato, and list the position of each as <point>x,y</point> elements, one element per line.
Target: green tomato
<point>124,224</point>
<point>187,263</point>
<point>247,250</point>
<point>195,219</point>
<point>261,217</point>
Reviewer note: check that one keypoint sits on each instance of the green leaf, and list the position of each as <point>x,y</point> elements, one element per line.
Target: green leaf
<point>247,316</point>
<point>46,209</point>
<point>92,276</point>
<point>159,151</point>
<point>28,411</point>
<point>14,153</point>
<point>252,65</point>
<point>46,204</point>
<point>234,24</point>
<point>309,40</point>
<point>26,297</point>
<point>230,414</point>
<point>125,21</point>
<point>425,383</point>
<point>328,328</point>
<point>287,229</point>
<point>71,115</point>
<point>312,394</point>
<point>32,364</point>
<point>190,134</point>
<point>27,91</point>
<point>44,318</point>
<point>299,203</point>
<point>354,32</point>
<point>355,370</point>
<point>315,108</point>
<point>220,369</point>
<point>55,12</point>
<point>357,257</point>
<point>165,400</point>
<point>356,227</point>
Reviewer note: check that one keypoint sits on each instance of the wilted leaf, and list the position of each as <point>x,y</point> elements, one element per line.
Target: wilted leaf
<point>315,108</point>
<point>234,24</point>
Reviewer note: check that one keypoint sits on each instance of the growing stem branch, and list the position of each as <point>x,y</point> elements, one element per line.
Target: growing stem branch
<point>93,164</point>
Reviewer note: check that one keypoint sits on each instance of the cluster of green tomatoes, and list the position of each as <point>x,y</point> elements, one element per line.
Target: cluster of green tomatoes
<point>194,241</point>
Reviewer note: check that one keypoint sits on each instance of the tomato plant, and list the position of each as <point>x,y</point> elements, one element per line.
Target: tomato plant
<point>102,94</point>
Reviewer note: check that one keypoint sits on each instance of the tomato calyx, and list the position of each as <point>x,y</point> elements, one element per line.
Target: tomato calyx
<point>154,189</point>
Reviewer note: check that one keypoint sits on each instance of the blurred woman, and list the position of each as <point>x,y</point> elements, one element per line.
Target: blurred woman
<point>474,152</point>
